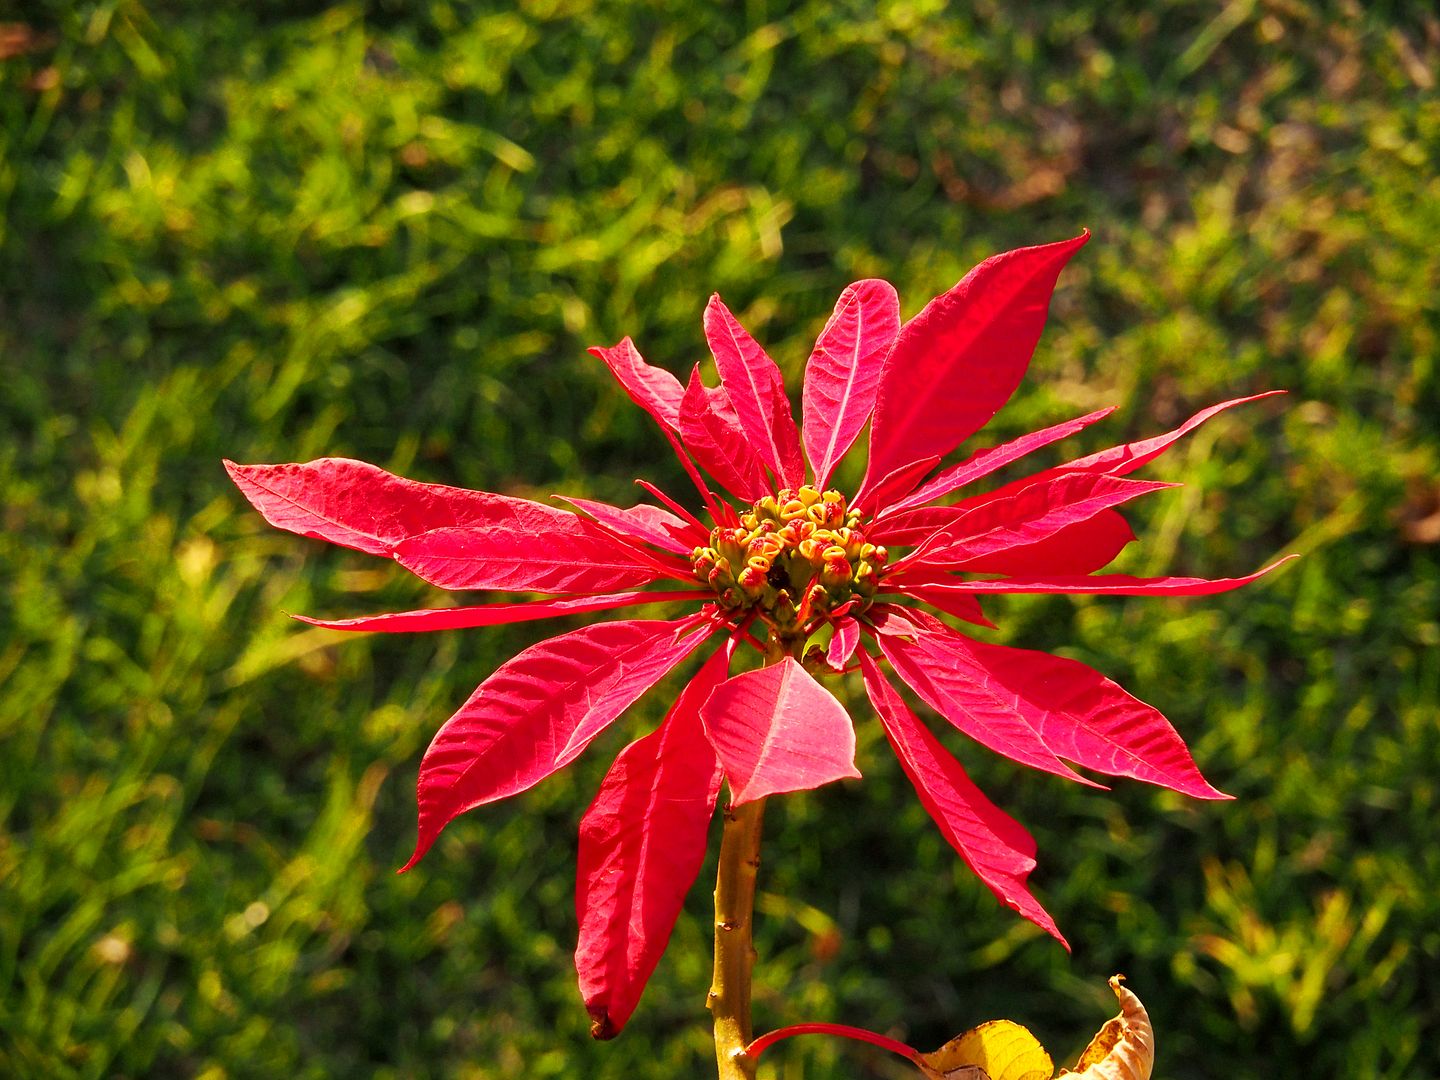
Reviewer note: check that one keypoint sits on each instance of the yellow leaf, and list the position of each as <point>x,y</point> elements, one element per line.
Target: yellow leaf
<point>1125,1047</point>
<point>998,1050</point>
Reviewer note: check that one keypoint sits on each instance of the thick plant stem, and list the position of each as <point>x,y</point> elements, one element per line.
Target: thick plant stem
<point>734,953</point>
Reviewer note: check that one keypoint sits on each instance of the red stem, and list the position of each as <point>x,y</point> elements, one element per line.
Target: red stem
<point>760,1045</point>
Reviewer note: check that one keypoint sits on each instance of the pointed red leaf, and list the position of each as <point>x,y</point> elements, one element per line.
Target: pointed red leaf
<point>646,523</point>
<point>1120,460</point>
<point>714,434</point>
<point>641,845</point>
<point>580,559</point>
<point>358,505</point>
<point>843,642</point>
<point>885,491</point>
<point>844,370</point>
<point>465,618</point>
<point>538,711</point>
<point>757,391</point>
<point>692,522</point>
<point>654,389</point>
<point>992,843</point>
<point>1028,516</point>
<point>1105,584</point>
<point>1076,712</point>
<point>1078,548</point>
<point>1126,458</point>
<point>1091,721</point>
<point>951,603</point>
<point>778,730</point>
<point>984,462</point>
<point>961,358</point>
<point>934,661</point>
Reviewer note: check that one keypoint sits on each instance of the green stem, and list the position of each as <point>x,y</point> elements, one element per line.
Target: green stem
<point>734,951</point>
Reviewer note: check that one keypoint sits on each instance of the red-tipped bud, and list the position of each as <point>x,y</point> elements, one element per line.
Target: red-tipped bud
<point>752,579</point>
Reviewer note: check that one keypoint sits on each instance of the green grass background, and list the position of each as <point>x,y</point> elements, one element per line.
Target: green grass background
<point>272,231</point>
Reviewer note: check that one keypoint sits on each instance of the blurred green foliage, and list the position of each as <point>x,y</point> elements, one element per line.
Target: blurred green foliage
<point>272,231</point>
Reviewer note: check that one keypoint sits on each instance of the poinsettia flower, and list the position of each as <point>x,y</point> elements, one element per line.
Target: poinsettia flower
<point>818,580</point>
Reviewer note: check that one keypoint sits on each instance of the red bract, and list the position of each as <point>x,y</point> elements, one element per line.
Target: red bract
<point>804,575</point>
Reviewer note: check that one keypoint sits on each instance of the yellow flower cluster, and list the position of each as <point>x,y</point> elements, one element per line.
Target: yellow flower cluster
<point>794,556</point>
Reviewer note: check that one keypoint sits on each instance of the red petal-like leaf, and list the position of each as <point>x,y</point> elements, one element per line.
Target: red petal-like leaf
<point>538,711</point>
<point>714,434</point>
<point>961,358</point>
<point>984,462</point>
<point>1091,721</point>
<point>1078,713</point>
<point>641,845</point>
<point>778,730</point>
<point>1028,516</point>
<point>580,559</point>
<point>465,618</point>
<point>935,662</point>
<point>649,524</point>
<point>992,843</point>
<point>844,370</point>
<point>358,505</point>
<point>757,391</point>
<point>843,642</point>
<point>1106,584</point>
<point>654,389</point>
<point>1076,549</point>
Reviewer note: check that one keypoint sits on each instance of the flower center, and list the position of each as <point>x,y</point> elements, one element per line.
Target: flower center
<point>795,556</point>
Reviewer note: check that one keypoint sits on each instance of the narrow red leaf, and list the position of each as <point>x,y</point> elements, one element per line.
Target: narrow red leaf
<point>885,491</point>
<point>579,559</point>
<point>933,661</point>
<point>1076,712</point>
<point>843,642</point>
<point>844,370</point>
<point>992,843</point>
<point>961,358</point>
<point>1125,459</point>
<point>757,391</point>
<point>713,433</point>
<point>1120,460</point>
<point>984,462</point>
<point>358,505</point>
<point>951,603</point>
<point>538,711</point>
<point>654,389</point>
<point>641,846</point>
<point>643,522</point>
<point>915,525</point>
<point>1105,584</point>
<point>778,730</point>
<point>691,521</point>
<point>1078,548</point>
<point>1028,516</point>
<point>659,393</point>
<point>466,618</point>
